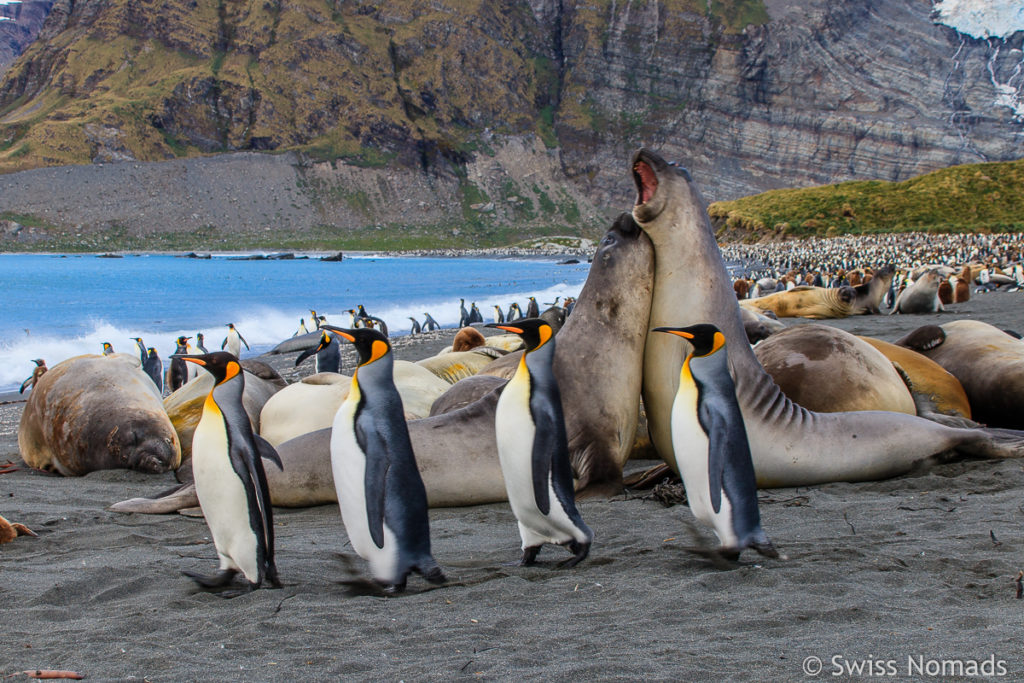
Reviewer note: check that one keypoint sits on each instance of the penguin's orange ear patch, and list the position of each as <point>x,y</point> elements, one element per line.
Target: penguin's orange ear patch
<point>232,370</point>
<point>718,342</point>
<point>378,350</point>
<point>544,332</point>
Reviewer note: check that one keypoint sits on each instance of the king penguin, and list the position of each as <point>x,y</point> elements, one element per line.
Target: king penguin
<point>233,342</point>
<point>499,317</point>
<point>534,451</point>
<point>328,353</point>
<point>151,364</point>
<point>199,343</point>
<point>230,481</point>
<point>711,448</point>
<point>380,492</point>
<point>416,329</point>
<point>108,349</point>
<point>429,324</point>
<point>532,308</point>
<point>178,374</point>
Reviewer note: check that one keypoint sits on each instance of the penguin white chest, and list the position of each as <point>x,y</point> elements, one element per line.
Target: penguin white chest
<point>222,496</point>
<point>348,464</point>
<point>515,431</point>
<point>690,443</point>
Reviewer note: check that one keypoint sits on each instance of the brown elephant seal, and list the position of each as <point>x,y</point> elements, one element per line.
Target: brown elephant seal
<point>987,361</point>
<point>457,452</point>
<point>467,339</point>
<point>791,446</point>
<point>920,297</point>
<point>941,392</point>
<point>11,530</point>
<point>95,413</point>
<point>830,370</point>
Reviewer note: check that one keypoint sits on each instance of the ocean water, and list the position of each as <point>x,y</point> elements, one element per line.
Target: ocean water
<point>55,307</point>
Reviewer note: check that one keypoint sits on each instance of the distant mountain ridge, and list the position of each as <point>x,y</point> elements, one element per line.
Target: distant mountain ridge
<point>495,117</point>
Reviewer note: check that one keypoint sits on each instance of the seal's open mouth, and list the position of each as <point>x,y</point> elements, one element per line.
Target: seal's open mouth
<point>646,181</point>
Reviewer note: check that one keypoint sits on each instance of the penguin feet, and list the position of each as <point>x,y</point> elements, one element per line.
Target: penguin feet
<point>579,552</point>
<point>766,548</point>
<point>235,592</point>
<point>394,588</point>
<point>433,575</point>
<point>219,580</point>
<point>529,556</point>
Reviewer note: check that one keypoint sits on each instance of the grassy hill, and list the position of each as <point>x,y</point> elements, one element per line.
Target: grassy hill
<point>971,198</point>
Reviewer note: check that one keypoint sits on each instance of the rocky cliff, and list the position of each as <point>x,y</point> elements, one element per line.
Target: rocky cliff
<point>489,116</point>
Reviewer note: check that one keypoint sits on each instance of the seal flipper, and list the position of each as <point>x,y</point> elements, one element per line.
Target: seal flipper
<point>267,451</point>
<point>924,338</point>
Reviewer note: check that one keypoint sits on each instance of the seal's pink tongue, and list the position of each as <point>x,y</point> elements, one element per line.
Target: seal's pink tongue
<point>648,181</point>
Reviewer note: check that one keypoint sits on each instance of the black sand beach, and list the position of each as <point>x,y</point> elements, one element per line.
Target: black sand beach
<point>907,578</point>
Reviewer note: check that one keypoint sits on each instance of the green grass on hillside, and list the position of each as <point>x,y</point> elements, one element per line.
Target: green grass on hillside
<point>971,198</point>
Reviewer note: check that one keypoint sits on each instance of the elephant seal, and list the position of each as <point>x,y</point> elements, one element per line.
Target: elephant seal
<point>457,452</point>
<point>312,403</point>
<point>791,446</point>
<point>920,297</point>
<point>95,413</point>
<point>456,365</point>
<point>467,339</point>
<point>185,405</point>
<point>758,326</point>
<point>821,303</point>
<point>941,392</point>
<point>988,362</point>
<point>464,392</point>
<point>829,370</point>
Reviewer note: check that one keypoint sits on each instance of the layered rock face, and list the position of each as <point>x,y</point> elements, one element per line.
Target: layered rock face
<point>19,25</point>
<point>466,104</point>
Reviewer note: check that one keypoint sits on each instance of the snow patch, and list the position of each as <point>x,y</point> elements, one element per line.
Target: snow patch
<point>982,18</point>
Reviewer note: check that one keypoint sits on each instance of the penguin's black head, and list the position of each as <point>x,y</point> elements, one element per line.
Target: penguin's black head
<point>199,337</point>
<point>535,332</point>
<point>231,326</point>
<point>221,364</point>
<point>182,341</point>
<point>107,346</point>
<point>705,338</point>
<point>370,344</point>
<point>39,362</point>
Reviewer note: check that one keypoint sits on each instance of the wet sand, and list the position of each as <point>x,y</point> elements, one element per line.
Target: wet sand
<point>906,573</point>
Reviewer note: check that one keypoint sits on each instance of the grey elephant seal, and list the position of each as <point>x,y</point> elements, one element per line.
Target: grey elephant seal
<point>791,446</point>
<point>95,413</point>
<point>457,451</point>
<point>922,296</point>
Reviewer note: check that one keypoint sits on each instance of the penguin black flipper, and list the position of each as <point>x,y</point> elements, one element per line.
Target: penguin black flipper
<point>267,451</point>
<point>250,469</point>
<point>25,384</point>
<point>374,483</point>
<point>731,469</point>
<point>244,342</point>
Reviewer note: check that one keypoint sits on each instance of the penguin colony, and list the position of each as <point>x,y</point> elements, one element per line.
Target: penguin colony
<point>962,262</point>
